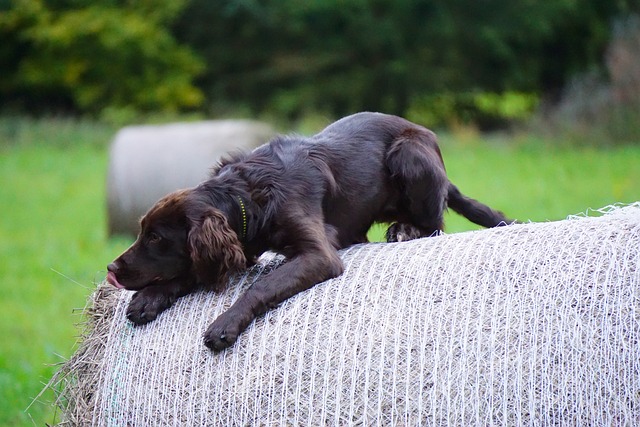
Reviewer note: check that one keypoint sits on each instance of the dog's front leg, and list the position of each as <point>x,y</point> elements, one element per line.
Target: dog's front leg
<point>147,303</point>
<point>297,275</point>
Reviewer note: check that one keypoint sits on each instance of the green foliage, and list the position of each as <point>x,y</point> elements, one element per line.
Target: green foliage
<point>482,60</point>
<point>603,108</point>
<point>487,109</point>
<point>485,62</point>
<point>95,55</point>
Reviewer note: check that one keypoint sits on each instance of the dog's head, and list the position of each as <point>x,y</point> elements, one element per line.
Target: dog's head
<point>181,239</point>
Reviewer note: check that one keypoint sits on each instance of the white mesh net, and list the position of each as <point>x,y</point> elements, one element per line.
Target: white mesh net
<point>528,324</point>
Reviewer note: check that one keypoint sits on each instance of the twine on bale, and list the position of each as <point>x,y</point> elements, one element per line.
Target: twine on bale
<point>534,323</point>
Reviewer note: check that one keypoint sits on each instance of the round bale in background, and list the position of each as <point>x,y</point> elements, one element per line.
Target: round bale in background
<point>147,162</point>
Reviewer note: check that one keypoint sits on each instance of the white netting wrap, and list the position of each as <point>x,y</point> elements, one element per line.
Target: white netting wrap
<point>527,324</point>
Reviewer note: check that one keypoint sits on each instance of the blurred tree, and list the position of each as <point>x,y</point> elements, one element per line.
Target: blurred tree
<point>92,55</point>
<point>579,40</point>
<point>481,61</point>
<point>341,56</point>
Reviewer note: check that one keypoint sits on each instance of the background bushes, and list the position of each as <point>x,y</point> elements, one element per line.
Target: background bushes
<point>79,56</point>
<point>603,105</point>
<point>486,63</point>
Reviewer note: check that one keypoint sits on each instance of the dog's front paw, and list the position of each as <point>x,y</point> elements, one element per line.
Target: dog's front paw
<point>147,304</point>
<point>222,333</point>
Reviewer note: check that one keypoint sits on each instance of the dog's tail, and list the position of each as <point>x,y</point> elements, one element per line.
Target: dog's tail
<point>473,210</point>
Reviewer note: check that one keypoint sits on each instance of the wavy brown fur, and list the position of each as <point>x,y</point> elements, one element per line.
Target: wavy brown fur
<point>305,198</point>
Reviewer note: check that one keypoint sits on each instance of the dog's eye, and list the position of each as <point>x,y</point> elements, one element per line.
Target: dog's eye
<point>154,238</point>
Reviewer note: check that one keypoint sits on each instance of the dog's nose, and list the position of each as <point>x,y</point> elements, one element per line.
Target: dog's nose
<point>112,277</point>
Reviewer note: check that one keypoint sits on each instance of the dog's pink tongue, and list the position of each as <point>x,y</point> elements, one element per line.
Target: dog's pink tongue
<point>111,279</point>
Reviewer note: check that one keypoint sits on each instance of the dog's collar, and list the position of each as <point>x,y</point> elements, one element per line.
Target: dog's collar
<point>243,210</point>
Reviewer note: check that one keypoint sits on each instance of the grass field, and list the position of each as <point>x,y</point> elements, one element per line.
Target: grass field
<point>53,244</point>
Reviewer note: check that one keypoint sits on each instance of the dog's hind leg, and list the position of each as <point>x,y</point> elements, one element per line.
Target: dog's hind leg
<point>415,163</point>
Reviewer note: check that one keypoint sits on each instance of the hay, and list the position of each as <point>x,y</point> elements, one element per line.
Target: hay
<point>527,324</point>
<point>147,162</point>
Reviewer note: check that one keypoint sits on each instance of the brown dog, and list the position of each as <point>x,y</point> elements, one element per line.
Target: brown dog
<point>303,197</point>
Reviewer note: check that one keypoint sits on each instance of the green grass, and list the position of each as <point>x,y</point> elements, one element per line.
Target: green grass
<point>53,244</point>
<point>53,248</point>
<point>530,179</point>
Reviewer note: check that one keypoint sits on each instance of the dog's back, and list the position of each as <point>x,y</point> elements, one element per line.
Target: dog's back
<point>362,169</point>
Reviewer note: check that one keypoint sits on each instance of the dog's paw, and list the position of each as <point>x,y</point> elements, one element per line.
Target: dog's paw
<point>147,304</point>
<point>222,333</point>
<point>402,232</point>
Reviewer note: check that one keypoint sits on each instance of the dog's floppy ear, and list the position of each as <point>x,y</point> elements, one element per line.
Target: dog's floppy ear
<point>215,249</point>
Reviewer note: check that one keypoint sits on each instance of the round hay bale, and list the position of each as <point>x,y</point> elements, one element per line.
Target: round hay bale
<point>528,324</point>
<point>147,162</point>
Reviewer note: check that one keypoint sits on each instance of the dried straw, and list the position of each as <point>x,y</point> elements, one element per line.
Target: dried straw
<point>527,324</point>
